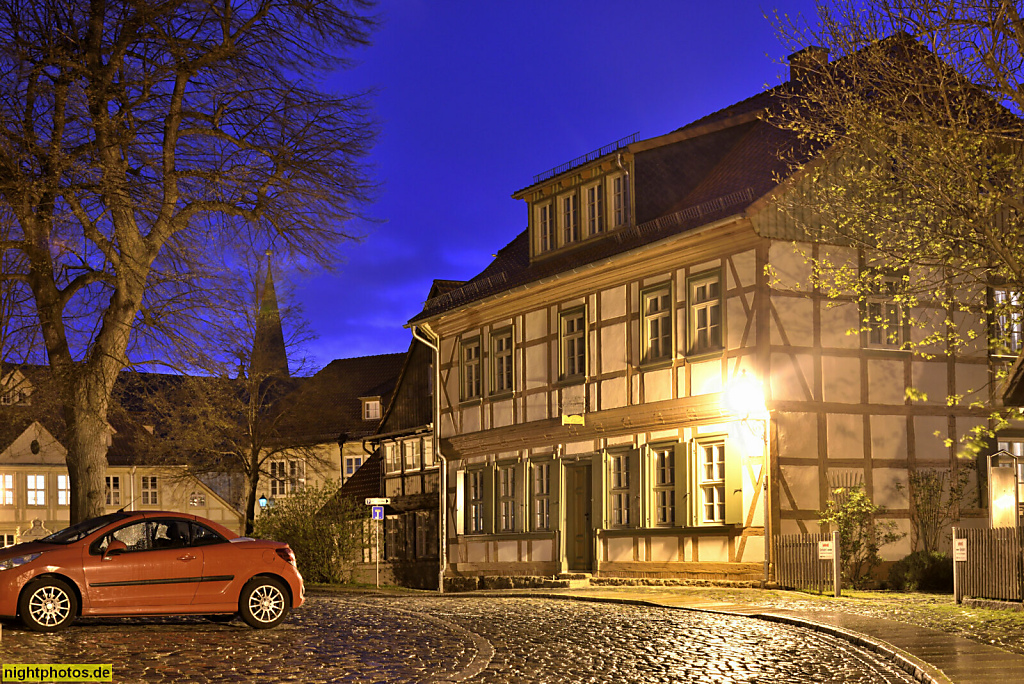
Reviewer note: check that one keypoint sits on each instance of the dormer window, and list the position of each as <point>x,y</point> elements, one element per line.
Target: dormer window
<point>546,226</point>
<point>15,389</point>
<point>371,408</point>
<point>620,201</point>
<point>595,209</point>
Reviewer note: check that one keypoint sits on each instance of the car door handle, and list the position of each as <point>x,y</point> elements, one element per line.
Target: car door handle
<point>187,557</point>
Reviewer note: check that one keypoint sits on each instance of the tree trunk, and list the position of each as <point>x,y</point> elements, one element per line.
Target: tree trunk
<point>87,441</point>
<point>250,497</point>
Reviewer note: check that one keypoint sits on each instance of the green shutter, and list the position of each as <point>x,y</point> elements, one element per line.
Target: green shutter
<point>733,486</point>
<point>490,510</point>
<point>599,491</point>
<point>460,502</point>
<point>684,496</point>
<point>634,489</point>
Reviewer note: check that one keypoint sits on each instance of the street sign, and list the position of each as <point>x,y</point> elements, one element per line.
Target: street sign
<point>826,550</point>
<point>378,501</point>
<point>377,512</point>
<point>960,549</point>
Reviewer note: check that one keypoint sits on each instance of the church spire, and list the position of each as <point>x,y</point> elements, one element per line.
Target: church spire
<point>269,357</point>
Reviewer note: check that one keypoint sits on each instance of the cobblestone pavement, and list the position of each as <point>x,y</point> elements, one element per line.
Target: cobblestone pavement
<point>428,638</point>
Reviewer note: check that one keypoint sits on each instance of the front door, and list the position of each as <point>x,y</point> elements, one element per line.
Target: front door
<point>579,546</point>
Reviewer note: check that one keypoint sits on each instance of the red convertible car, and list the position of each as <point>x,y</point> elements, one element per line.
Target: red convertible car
<point>147,563</point>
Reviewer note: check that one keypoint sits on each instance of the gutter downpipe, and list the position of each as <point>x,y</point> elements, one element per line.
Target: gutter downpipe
<point>423,333</point>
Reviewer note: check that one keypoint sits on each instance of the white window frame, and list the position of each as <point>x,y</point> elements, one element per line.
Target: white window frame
<point>619,193</point>
<point>7,540</point>
<point>664,482</point>
<point>352,464</point>
<point>541,490</point>
<point>112,490</point>
<point>64,490</point>
<point>656,314</point>
<point>411,454</point>
<point>35,489</point>
<point>705,313</point>
<point>569,216</point>
<point>470,362</point>
<point>507,504</point>
<point>621,489</point>
<point>884,316</point>
<point>595,208</point>
<point>392,457</point>
<point>711,457</point>
<point>1008,320</point>
<point>371,409</point>
<point>6,490</point>
<point>197,500</point>
<point>545,227</point>
<point>150,490</point>
<point>476,501</point>
<point>572,343</point>
<point>502,376</point>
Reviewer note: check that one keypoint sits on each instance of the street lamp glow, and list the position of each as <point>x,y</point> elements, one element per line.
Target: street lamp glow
<point>744,396</point>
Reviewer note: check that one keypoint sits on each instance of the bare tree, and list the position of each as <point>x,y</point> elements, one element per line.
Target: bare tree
<point>143,145</point>
<point>919,116</point>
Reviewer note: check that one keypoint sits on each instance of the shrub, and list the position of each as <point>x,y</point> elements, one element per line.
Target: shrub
<point>923,571</point>
<point>860,535</point>
<point>326,539</point>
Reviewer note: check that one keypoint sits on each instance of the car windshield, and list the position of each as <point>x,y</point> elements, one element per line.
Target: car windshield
<point>82,529</point>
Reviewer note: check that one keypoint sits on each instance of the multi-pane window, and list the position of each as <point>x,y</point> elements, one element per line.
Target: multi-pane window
<point>7,540</point>
<point>507,497</point>
<point>286,477</point>
<point>595,209</point>
<point>664,485</point>
<point>619,490</point>
<point>475,500</point>
<point>371,409</point>
<point>542,496</point>
<point>885,315</point>
<point>712,481</point>
<point>352,464</point>
<point>705,314</point>
<point>502,359</point>
<point>7,490</point>
<point>619,209</point>
<point>546,227</point>
<point>471,369</point>
<point>392,458</point>
<point>657,315</point>
<point>197,499</point>
<point>411,454</point>
<point>573,344</point>
<point>36,490</point>
<point>149,491</point>
<point>428,452</point>
<point>63,490</point>
<point>570,217</point>
<point>112,485</point>
<point>1009,321</point>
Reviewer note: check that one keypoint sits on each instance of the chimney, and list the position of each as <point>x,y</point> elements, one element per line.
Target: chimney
<point>807,61</point>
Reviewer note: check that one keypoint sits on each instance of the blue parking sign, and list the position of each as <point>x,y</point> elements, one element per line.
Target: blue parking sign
<point>377,512</point>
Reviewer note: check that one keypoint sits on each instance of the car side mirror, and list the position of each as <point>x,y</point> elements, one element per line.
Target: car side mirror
<point>115,548</point>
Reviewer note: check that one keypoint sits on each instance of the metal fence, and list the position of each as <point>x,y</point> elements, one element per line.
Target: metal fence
<point>990,566</point>
<point>797,563</point>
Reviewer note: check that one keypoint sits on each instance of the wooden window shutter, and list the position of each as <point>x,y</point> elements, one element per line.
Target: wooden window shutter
<point>684,486</point>
<point>599,491</point>
<point>634,488</point>
<point>460,502</point>
<point>733,486</point>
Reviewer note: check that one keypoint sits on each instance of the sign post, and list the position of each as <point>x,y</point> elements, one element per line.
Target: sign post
<point>959,556</point>
<point>829,550</point>
<point>377,504</point>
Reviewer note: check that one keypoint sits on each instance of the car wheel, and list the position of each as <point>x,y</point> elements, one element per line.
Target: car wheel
<point>47,605</point>
<point>263,603</point>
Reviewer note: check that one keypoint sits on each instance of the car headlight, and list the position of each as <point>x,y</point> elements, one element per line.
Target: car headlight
<point>18,560</point>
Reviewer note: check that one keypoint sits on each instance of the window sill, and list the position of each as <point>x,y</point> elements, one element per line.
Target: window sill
<point>695,357</point>
<point>656,364</point>
<point>499,396</point>
<point>570,381</point>
<point>510,536</point>
<point>474,401</point>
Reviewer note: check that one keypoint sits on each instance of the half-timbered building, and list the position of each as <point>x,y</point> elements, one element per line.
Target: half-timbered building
<point>625,386</point>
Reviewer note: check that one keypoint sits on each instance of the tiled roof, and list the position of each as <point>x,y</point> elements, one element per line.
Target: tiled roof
<point>327,405</point>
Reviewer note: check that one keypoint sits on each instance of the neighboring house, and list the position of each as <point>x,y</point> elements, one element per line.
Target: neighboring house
<point>35,491</point>
<point>623,386</point>
<point>327,418</point>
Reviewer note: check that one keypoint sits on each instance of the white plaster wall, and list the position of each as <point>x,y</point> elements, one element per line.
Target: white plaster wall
<point>508,551</point>
<point>620,549</point>
<point>613,302</point>
<point>613,348</point>
<point>713,549</point>
<point>536,324</point>
<point>789,268</point>
<point>613,393</point>
<point>845,436</point>
<point>664,549</point>
<point>802,484</point>
<point>795,321</point>
<point>798,435</point>
<point>930,446</point>
<point>930,377</point>
<point>840,379</point>
<point>658,385</point>
<point>885,382</point>
<point>706,377</point>
<point>792,376</point>
<point>837,322</point>
<point>886,492</point>
<point>888,437</point>
<point>536,366</point>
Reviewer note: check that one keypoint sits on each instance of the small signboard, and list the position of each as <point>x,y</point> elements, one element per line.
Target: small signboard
<point>826,550</point>
<point>378,501</point>
<point>377,512</point>
<point>960,549</point>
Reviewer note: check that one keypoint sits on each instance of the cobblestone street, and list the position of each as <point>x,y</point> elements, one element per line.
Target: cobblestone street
<point>456,638</point>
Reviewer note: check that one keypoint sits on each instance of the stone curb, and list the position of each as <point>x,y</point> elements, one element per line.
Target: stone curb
<point>912,665</point>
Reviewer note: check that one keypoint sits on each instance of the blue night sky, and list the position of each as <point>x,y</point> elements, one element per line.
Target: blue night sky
<point>474,98</point>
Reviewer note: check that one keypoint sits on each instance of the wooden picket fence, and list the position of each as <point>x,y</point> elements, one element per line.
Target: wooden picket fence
<point>993,568</point>
<point>797,565</point>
